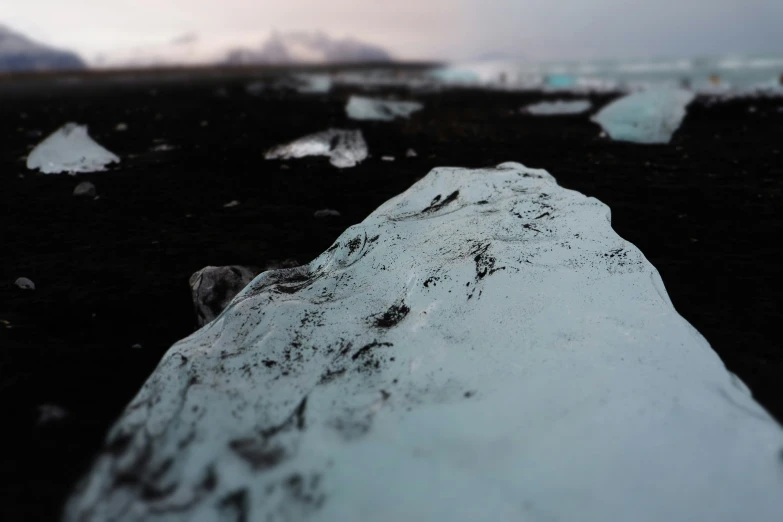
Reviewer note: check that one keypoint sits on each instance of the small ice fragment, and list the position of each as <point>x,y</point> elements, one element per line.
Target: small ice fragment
<point>85,188</point>
<point>232,203</point>
<point>314,83</point>
<point>558,107</point>
<point>387,158</point>
<point>48,413</point>
<point>411,153</point>
<point>204,123</point>
<point>752,109</point>
<point>136,346</point>
<point>361,108</point>
<point>25,284</point>
<point>70,149</point>
<point>650,116</point>
<point>121,127</point>
<point>346,148</point>
<point>560,81</point>
<point>163,147</point>
<point>325,213</point>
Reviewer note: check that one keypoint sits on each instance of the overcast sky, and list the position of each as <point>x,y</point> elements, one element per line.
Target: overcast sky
<point>420,29</point>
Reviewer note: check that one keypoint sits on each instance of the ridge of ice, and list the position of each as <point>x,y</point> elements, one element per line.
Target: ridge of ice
<point>481,347</point>
<point>70,149</point>
<point>650,117</point>
<point>345,148</point>
<point>559,107</point>
<point>363,108</point>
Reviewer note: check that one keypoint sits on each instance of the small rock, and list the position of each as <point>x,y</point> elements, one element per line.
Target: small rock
<point>325,213</point>
<point>411,153</point>
<point>233,203</point>
<point>85,188</point>
<point>121,127</point>
<point>163,147</point>
<point>25,284</point>
<point>204,123</point>
<point>213,287</point>
<point>136,346</point>
<point>49,413</point>
<point>387,158</point>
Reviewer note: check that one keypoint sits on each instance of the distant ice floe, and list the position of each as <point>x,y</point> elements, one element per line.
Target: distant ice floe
<point>301,83</point>
<point>345,148</point>
<point>70,149</point>
<point>559,107</point>
<point>483,346</point>
<point>649,117</point>
<point>362,108</point>
<point>492,73</point>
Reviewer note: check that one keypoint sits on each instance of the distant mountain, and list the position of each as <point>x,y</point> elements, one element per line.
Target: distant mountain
<point>19,53</point>
<point>308,48</point>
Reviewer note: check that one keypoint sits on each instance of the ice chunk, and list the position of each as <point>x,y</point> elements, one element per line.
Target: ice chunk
<point>650,116</point>
<point>345,148</point>
<point>213,287</point>
<point>559,107</point>
<point>361,108</point>
<point>70,149</point>
<point>482,347</point>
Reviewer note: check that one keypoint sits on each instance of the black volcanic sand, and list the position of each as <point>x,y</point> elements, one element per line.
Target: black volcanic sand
<point>112,273</point>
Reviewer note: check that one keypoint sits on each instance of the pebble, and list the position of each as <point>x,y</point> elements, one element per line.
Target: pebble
<point>326,212</point>
<point>25,284</point>
<point>233,203</point>
<point>85,188</point>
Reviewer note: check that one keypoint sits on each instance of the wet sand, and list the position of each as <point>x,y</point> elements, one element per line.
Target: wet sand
<point>112,273</point>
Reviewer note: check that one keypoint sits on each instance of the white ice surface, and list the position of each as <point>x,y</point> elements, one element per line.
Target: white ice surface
<point>481,347</point>
<point>362,108</point>
<point>559,107</point>
<point>70,149</point>
<point>345,148</point>
<point>650,116</point>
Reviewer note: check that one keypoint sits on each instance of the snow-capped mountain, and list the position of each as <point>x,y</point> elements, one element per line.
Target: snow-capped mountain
<point>19,53</point>
<point>308,48</point>
<point>188,49</point>
<point>278,48</point>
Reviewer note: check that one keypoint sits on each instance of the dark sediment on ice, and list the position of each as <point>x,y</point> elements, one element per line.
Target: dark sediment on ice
<point>112,273</point>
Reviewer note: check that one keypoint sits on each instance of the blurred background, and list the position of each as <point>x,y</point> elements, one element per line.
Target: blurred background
<point>708,42</point>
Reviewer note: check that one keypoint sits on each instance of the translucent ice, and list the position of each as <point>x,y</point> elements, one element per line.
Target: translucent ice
<point>481,347</point>
<point>361,108</point>
<point>345,148</point>
<point>650,116</point>
<point>559,107</point>
<point>70,149</point>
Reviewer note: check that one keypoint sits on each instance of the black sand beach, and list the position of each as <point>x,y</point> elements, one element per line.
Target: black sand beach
<point>112,273</point>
